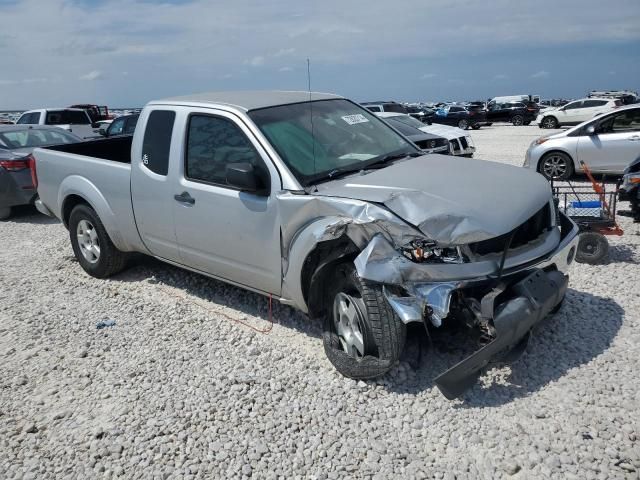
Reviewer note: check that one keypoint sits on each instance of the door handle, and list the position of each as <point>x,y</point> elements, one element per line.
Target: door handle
<point>184,197</point>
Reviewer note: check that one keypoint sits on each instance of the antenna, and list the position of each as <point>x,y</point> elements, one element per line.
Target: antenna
<point>313,138</point>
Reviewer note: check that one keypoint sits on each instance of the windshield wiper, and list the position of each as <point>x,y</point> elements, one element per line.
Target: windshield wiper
<point>335,173</point>
<point>395,156</point>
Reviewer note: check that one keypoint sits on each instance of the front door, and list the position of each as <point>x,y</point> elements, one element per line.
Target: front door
<point>615,144</point>
<point>221,230</point>
<point>570,114</point>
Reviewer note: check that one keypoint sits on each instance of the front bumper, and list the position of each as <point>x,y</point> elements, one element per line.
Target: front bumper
<point>531,300</point>
<point>512,319</point>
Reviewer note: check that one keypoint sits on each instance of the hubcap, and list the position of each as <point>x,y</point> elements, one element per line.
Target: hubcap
<point>88,241</point>
<point>347,319</point>
<point>549,123</point>
<point>463,124</point>
<point>517,121</point>
<point>554,166</point>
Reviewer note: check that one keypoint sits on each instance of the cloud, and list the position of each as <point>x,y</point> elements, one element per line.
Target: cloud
<point>540,74</point>
<point>283,52</point>
<point>257,61</point>
<point>428,75</point>
<point>285,69</point>
<point>500,76</point>
<point>92,75</point>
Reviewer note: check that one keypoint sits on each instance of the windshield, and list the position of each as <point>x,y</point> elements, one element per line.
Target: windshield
<point>36,138</point>
<point>342,136</point>
<point>408,120</point>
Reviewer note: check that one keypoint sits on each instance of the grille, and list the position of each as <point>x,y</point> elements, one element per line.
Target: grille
<point>455,146</point>
<point>525,233</point>
<point>463,142</point>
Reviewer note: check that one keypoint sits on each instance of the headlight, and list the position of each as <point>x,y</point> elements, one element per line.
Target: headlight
<point>426,251</point>
<point>540,141</point>
<point>470,141</point>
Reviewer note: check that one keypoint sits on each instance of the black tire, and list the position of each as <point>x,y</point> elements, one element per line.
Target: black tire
<point>463,124</point>
<point>475,126</point>
<point>383,332</point>
<point>488,124</point>
<point>556,165</point>
<point>517,120</point>
<point>5,213</point>
<point>110,260</point>
<point>528,122</point>
<point>593,248</point>
<point>549,122</point>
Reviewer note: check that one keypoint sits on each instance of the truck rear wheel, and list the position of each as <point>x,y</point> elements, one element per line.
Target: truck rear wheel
<point>91,244</point>
<point>363,337</point>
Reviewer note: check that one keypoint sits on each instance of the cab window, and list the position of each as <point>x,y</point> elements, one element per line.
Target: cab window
<point>212,144</point>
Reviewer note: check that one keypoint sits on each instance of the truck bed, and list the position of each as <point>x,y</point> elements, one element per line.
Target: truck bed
<point>98,172</point>
<point>116,149</point>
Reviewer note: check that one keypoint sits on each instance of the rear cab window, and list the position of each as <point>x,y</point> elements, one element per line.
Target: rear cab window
<point>157,141</point>
<point>67,117</point>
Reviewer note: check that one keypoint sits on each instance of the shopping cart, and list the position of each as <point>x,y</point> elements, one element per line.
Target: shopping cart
<point>593,209</point>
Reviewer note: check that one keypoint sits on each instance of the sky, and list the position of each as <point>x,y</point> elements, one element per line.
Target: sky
<point>124,53</point>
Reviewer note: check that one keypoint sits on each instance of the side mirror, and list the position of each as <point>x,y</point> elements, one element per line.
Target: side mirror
<point>590,130</point>
<point>245,177</point>
<point>103,131</point>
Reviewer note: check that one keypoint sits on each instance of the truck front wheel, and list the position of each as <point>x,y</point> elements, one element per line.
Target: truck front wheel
<point>91,244</point>
<point>363,337</point>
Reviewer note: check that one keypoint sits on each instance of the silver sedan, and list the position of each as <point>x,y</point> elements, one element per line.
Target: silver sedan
<point>607,144</point>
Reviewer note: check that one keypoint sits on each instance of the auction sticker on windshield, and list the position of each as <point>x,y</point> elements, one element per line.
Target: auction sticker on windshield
<point>353,119</point>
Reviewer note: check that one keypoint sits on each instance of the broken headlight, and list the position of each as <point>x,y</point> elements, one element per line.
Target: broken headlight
<point>420,251</point>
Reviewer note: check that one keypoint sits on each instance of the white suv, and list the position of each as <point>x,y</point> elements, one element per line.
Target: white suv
<point>576,112</point>
<point>73,120</point>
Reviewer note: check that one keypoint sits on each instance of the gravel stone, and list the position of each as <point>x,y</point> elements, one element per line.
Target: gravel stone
<point>176,386</point>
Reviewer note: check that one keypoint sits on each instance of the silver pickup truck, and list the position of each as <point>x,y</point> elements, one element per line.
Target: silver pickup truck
<point>312,199</point>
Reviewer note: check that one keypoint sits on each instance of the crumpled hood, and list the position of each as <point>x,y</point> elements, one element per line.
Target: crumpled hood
<point>452,200</point>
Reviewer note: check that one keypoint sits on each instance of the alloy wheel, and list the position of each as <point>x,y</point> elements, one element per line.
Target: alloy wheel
<point>348,321</point>
<point>554,166</point>
<point>88,241</point>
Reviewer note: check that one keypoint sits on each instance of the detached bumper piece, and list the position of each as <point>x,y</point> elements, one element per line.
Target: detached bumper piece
<point>530,300</point>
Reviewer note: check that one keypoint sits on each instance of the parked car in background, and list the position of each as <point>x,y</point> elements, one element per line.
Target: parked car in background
<point>630,188</point>
<point>312,199</point>
<point>74,120</point>
<point>627,97</point>
<point>124,125</point>
<point>426,142</point>
<point>479,112</point>
<point>516,98</point>
<point>576,112</point>
<point>388,106</point>
<point>517,113</point>
<point>460,142</point>
<point>607,144</point>
<point>423,114</point>
<point>17,182</point>
<point>458,116</point>
<point>95,112</point>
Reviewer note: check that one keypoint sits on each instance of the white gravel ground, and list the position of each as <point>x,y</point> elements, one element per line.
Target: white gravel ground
<point>176,389</point>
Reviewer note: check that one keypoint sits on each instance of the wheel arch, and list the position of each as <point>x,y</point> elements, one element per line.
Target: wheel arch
<point>317,268</point>
<point>76,190</point>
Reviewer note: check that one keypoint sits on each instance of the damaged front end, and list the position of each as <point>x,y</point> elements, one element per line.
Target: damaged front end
<point>504,294</point>
<point>442,250</point>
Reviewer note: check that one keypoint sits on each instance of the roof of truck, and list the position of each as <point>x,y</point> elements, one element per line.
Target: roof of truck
<point>248,100</point>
